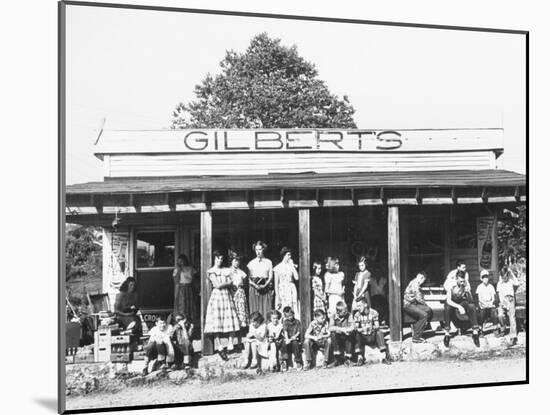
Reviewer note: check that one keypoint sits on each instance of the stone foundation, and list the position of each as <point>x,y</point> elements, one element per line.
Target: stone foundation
<point>85,378</point>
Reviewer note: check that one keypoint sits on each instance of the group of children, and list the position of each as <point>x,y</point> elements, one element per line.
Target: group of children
<point>170,345</point>
<point>372,289</point>
<point>339,337</point>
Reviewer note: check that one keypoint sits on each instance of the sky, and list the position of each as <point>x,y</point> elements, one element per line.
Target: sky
<point>132,67</point>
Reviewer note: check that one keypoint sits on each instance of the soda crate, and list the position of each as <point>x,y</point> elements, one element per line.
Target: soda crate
<point>84,358</point>
<point>120,339</point>
<point>120,348</point>
<point>138,355</point>
<point>69,360</point>
<point>120,357</point>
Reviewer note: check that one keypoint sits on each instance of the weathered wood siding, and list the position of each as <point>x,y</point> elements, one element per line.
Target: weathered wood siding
<point>469,256</point>
<point>139,165</point>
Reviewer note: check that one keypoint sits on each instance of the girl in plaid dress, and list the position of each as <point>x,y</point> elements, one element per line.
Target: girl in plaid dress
<point>238,276</point>
<point>319,296</point>
<point>221,314</point>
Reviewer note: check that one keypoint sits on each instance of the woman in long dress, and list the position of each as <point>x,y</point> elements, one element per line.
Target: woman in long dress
<point>221,315</point>
<point>260,270</point>
<point>185,302</point>
<point>285,290</point>
<point>334,284</point>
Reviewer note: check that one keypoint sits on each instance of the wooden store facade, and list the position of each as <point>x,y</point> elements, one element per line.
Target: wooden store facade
<point>409,200</point>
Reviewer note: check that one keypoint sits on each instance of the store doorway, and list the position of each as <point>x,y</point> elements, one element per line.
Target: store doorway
<point>155,259</point>
<point>425,248</point>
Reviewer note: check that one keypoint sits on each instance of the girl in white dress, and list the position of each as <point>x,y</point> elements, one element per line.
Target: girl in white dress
<point>285,290</point>
<point>334,284</point>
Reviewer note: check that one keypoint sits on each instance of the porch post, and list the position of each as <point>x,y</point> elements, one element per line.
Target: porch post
<point>304,259</point>
<point>394,274</point>
<point>206,263</point>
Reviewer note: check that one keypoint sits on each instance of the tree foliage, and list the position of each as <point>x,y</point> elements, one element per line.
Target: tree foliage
<point>83,252</point>
<point>267,86</point>
<point>512,236</point>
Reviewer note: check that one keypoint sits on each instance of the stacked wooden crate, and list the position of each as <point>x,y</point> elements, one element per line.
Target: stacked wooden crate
<point>102,345</point>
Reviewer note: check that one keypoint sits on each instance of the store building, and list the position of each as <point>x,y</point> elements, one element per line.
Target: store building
<point>407,199</point>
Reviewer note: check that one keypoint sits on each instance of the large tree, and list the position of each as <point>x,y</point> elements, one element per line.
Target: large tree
<point>267,86</point>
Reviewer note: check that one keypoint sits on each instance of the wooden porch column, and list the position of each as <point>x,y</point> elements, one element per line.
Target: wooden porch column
<point>447,242</point>
<point>206,263</point>
<point>394,274</point>
<point>304,259</point>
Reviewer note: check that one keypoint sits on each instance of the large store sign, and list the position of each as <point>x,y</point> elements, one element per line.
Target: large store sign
<point>292,140</point>
<point>297,140</point>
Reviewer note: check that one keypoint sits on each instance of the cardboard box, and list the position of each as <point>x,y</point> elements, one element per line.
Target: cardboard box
<point>102,354</point>
<point>102,338</point>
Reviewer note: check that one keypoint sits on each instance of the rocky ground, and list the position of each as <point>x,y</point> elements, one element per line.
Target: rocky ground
<point>108,385</point>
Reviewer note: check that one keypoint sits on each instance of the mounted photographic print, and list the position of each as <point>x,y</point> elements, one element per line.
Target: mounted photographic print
<point>261,207</point>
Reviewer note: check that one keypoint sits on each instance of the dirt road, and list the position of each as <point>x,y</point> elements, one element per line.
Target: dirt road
<point>340,379</point>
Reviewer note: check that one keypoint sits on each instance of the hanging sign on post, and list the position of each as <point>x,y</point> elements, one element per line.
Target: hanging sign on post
<point>486,242</point>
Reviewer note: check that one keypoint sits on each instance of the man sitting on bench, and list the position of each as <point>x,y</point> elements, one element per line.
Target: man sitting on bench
<point>415,306</point>
<point>459,300</point>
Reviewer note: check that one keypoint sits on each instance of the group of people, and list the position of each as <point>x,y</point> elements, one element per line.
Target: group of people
<point>227,313</point>
<point>339,331</point>
<point>273,289</point>
<point>462,307</point>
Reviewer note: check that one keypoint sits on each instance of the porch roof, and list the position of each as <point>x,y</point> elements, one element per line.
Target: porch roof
<point>306,190</point>
<point>423,179</point>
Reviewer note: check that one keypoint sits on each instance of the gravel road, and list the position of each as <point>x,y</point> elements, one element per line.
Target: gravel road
<point>340,379</point>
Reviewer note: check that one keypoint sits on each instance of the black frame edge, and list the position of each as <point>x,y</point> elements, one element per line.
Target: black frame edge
<point>61,201</point>
<point>61,102</point>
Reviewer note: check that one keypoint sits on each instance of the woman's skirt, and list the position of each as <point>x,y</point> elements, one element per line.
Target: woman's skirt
<point>126,320</point>
<point>261,302</point>
<point>221,315</point>
<point>185,302</point>
<point>288,297</point>
<point>239,298</point>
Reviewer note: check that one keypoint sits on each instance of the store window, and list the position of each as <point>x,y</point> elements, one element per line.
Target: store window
<point>155,249</point>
